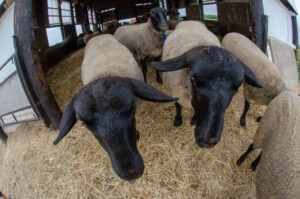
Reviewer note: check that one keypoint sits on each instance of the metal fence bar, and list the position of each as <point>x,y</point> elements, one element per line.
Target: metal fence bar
<point>5,63</point>
<point>20,121</point>
<point>22,78</point>
<point>21,109</point>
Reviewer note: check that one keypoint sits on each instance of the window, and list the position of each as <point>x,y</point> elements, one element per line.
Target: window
<point>91,16</point>
<point>54,35</point>
<point>182,12</point>
<point>127,21</point>
<point>53,14</point>
<point>74,13</point>
<point>210,10</point>
<point>78,29</point>
<point>66,12</point>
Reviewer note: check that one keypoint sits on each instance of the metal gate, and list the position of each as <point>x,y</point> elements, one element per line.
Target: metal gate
<point>15,102</point>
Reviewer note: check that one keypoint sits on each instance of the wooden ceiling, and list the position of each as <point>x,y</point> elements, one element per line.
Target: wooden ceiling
<point>107,4</point>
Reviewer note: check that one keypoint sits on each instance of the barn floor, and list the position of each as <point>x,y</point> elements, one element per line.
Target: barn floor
<point>175,167</point>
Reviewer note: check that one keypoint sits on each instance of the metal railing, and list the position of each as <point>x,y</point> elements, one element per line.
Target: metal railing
<point>14,114</point>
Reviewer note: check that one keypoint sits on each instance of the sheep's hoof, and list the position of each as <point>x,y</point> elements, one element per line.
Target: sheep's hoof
<point>158,79</point>
<point>258,119</point>
<point>177,122</point>
<point>256,162</point>
<point>243,122</point>
<point>240,160</point>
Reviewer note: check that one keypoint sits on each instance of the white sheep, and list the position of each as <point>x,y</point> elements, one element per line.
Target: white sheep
<point>212,78</point>
<point>266,71</point>
<point>278,135</point>
<point>146,39</point>
<point>107,103</point>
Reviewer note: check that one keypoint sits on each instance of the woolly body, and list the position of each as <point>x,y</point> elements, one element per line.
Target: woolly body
<point>141,39</point>
<point>187,35</point>
<point>105,56</point>
<point>266,71</point>
<point>279,138</point>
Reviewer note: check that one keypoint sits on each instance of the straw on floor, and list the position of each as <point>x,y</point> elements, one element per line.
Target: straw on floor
<point>175,167</point>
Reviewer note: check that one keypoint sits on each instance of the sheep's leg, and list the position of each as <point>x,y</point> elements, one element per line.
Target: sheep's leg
<point>256,162</point>
<point>243,117</point>
<point>244,156</point>
<point>3,135</point>
<point>178,117</point>
<point>158,78</point>
<point>144,67</point>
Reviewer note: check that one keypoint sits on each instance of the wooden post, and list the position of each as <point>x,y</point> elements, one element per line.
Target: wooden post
<point>258,23</point>
<point>30,68</point>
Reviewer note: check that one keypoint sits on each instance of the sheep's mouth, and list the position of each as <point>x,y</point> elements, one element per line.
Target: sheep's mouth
<point>206,145</point>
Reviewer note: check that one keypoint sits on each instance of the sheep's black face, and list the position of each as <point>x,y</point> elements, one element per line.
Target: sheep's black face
<point>213,87</point>
<point>215,77</point>
<point>107,108</point>
<point>114,128</point>
<point>159,19</point>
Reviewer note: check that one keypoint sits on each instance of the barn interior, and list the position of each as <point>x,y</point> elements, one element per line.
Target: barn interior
<point>175,167</point>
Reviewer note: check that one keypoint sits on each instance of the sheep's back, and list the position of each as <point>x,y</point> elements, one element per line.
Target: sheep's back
<point>187,35</point>
<point>266,72</point>
<point>279,138</point>
<point>131,36</point>
<point>105,56</point>
<point>140,40</point>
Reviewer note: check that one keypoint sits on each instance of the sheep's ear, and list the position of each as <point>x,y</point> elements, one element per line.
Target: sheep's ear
<point>147,92</point>
<point>170,64</point>
<point>67,122</point>
<point>250,78</point>
<point>183,61</point>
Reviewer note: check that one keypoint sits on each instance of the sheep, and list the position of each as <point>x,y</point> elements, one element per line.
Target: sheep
<point>278,135</point>
<point>146,39</point>
<point>107,103</point>
<point>174,20</point>
<point>266,71</point>
<point>214,76</point>
<point>87,37</point>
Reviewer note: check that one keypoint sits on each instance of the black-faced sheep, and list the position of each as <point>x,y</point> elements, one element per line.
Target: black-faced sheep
<point>107,103</point>
<point>146,39</point>
<point>278,135</point>
<point>213,78</point>
<point>265,70</point>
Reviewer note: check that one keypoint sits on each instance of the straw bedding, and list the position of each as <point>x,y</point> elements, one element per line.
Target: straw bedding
<point>175,167</point>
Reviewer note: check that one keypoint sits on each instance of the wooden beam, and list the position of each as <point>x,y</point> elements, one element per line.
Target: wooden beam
<point>258,23</point>
<point>30,65</point>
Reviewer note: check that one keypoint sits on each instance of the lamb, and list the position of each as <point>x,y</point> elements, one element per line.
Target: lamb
<point>266,71</point>
<point>107,103</point>
<point>214,76</point>
<point>146,39</point>
<point>278,135</point>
